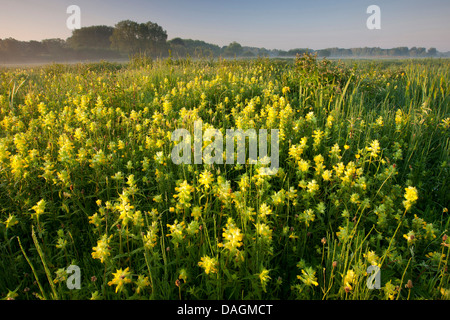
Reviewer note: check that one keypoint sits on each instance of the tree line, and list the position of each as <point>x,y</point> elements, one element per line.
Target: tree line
<point>129,38</point>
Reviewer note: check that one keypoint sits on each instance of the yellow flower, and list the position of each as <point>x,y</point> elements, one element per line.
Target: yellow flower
<point>307,216</point>
<point>374,148</point>
<point>264,210</point>
<point>326,175</point>
<point>39,208</point>
<point>121,277</point>
<point>411,194</point>
<point>183,275</point>
<point>176,231</point>
<point>411,197</point>
<point>209,264</point>
<point>285,90</point>
<point>303,165</point>
<point>206,178</point>
<point>349,279</point>
<point>335,150</point>
<point>318,135</point>
<point>264,278</point>
<point>184,194</point>
<point>390,290</point>
<point>141,283</point>
<point>372,258</point>
<point>11,221</point>
<point>445,293</point>
<point>312,186</point>
<point>96,220</point>
<point>102,250</point>
<point>232,236</point>
<point>308,277</point>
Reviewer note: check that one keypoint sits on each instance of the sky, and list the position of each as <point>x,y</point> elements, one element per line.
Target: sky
<point>275,24</point>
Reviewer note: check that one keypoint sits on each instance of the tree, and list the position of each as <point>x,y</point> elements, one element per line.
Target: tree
<point>233,49</point>
<point>324,53</point>
<point>91,37</point>
<point>432,52</point>
<point>132,37</point>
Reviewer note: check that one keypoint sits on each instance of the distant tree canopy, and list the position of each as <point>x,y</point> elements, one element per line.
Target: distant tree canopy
<point>233,49</point>
<point>91,37</point>
<point>132,37</point>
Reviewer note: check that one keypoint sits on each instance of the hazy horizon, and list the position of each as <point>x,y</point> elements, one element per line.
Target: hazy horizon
<point>273,25</point>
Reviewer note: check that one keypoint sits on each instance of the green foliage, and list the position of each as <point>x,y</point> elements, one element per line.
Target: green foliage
<point>86,179</point>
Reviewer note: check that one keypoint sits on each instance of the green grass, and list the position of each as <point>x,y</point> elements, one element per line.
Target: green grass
<point>93,142</point>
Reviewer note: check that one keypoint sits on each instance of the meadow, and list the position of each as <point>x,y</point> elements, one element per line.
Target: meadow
<point>86,179</point>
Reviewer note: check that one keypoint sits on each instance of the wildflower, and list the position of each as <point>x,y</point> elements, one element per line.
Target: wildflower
<point>285,90</point>
<point>339,169</point>
<point>264,231</point>
<point>278,197</point>
<point>96,220</point>
<point>435,257</point>
<point>307,216</point>
<point>445,293</point>
<point>372,258</point>
<point>141,283</point>
<point>374,148</point>
<point>264,210</point>
<point>303,165</point>
<point>312,186</point>
<point>152,236</point>
<point>232,236</point>
<point>335,151</point>
<point>410,197</point>
<point>61,275</point>
<point>308,277</point>
<point>264,278</point>
<point>379,121</point>
<point>102,250</point>
<point>193,227</point>
<point>11,221</point>
<point>317,135</point>
<point>121,277</point>
<point>184,194</point>
<point>158,198</point>
<point>176,231</point>
<point>330,120</point>
<point>410,237</point>
<point>223,190</point>
<point>390,290</point>
<point>209,264</point>
<point>206,178</point>
<point>39,208</point>
<point>326,175</point>
<point>196,212</point>
<point>354,198</point>
<point>183,275</point>
<point>398,118</point>
<point>349,279</point>
<point>310,117</point>
<point>61,243</point>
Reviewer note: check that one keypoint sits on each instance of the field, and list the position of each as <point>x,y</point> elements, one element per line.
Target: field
<point>358,208</point>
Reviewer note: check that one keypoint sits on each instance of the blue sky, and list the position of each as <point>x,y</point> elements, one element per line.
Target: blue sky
<point>282,24</point>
